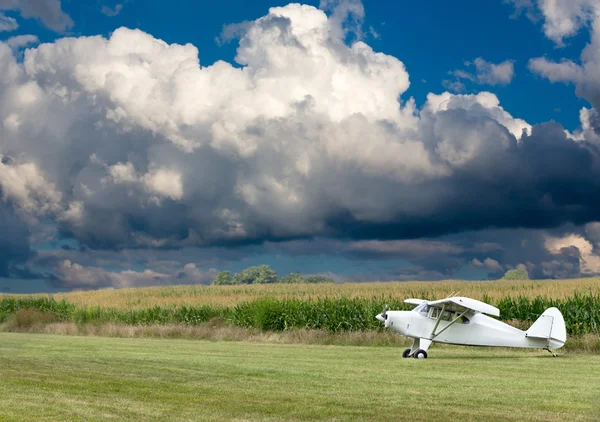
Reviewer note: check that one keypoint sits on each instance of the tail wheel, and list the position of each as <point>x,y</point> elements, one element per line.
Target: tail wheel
<point>406,353</point>
<point>420,354</point>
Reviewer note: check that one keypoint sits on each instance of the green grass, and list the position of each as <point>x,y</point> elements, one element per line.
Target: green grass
<point>46,377</point>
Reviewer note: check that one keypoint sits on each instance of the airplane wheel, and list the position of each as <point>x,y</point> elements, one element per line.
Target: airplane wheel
<point>420,354</point>
<point>406,353</point>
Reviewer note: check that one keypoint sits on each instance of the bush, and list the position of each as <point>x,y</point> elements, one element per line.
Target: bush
<point>318,279</point>
<point>292,278</point>
<point>24,319</point>
<point>518,274</point>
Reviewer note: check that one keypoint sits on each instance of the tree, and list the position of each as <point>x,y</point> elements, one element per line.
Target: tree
<point>318,279</point>
<point>292,278</point>
<point>266,275</point>
<point>260,274</point>
<point>223,279</point>
<point>517,274</point>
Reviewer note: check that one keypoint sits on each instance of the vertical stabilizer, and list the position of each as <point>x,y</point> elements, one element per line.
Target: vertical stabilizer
<point>550,325</point>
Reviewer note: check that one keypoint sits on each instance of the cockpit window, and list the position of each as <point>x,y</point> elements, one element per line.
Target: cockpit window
<point>434,313</point>
<point>448,315</point>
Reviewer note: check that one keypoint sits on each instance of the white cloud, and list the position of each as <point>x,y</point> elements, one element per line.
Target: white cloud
<point>24,185</point>
<point>48,11</point>
<point>22,41</point>
<point>564,19</point>
<point>486,73</point>
<point>483,104</point>
<point>589,260</point>
<point>74,275</point>
<point>526,6</point>
<point>159,182</point>
<point>164,182</point>
<point>494,74</point>
<point>347,17</point>
<point>7,23</point>
<point>112,12</point>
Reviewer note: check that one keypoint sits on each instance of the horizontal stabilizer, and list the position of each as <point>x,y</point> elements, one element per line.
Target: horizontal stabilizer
<point>541,328</point>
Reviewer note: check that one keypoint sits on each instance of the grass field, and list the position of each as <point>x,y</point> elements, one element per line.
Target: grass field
<point>45,377</point>
<point>225,296</point>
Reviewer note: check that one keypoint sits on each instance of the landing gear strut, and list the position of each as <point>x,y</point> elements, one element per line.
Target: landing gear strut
<point>553,354</point>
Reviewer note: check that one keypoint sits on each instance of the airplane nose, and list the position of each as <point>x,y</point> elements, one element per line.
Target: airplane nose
<point>380,318</point>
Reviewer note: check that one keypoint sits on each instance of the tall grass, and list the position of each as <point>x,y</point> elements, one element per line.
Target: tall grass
<point>66,311</point>
<point>61,308</point>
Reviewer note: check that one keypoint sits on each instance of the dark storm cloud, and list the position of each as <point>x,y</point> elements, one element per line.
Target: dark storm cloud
<point>544,181</point>
<point>14,243</point>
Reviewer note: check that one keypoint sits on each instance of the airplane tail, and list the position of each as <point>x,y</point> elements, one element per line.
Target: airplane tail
<point>550,325</point>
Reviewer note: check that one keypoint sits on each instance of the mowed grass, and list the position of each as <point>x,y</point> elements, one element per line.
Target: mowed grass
<point>44,377</point>
<point>226,296</point>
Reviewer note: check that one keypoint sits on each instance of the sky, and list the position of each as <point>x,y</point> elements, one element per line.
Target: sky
<point>157,143</point>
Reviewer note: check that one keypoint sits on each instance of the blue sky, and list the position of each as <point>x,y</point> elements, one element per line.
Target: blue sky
<point>113,188</point>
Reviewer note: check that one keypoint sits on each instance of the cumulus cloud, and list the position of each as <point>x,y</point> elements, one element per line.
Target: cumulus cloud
<point>48,11</point>
<point>589,260</point>
<point>128,142</point>
<point>562,18</point>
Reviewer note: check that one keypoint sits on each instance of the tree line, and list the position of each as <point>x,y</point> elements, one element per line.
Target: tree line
<point>263,274</point>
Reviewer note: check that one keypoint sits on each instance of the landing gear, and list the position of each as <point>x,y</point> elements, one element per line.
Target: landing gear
<point>553,354</point>
<point>406,353</point>
<point>420,354</point>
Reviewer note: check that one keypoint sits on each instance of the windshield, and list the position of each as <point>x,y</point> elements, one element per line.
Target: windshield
<point>422,308</point>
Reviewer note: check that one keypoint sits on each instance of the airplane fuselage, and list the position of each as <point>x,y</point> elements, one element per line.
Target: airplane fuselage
<point>474,329</point>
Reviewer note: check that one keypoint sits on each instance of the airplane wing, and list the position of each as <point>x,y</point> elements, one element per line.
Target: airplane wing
<point>415,302</point>
<point>464,303</point>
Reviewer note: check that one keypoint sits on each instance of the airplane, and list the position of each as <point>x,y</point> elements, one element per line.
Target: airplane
<point>463,321</point>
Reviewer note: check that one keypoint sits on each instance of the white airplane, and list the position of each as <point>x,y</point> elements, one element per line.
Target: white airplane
<point>461,320</point>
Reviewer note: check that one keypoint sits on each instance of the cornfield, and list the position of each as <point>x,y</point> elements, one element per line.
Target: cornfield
<point>337,314</point>
<point>229,296</point>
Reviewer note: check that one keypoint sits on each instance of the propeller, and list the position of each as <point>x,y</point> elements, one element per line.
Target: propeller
<point>383,316</point>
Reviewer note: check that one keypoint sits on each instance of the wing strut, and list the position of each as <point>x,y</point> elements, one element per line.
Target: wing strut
<point>438,320</point>
<point>434,334</point>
